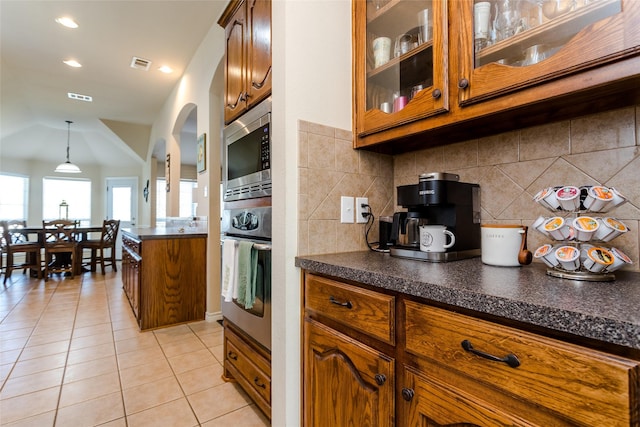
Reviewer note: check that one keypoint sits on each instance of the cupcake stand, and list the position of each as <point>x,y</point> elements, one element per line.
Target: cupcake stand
<point>581,230</point>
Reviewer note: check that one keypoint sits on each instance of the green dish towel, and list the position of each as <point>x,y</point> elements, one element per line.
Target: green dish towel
<point>247,272</point>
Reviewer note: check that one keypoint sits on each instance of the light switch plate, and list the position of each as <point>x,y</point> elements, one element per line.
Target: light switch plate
<point>360,219</point>
<point>346,210</point>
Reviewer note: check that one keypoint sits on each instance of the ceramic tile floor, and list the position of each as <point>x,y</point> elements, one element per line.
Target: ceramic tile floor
<point>71,354</point>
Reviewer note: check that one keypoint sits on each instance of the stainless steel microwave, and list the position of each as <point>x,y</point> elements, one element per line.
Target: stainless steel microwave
<point>247,154</point>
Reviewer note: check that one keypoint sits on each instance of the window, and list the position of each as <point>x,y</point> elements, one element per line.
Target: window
<point>187,206</point>
<point>14,197</point>
<point>161,202</point>
<point>75,192</point>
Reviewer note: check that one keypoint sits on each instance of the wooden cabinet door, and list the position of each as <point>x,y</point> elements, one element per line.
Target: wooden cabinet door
<point>345,382</point>
<point>429,402</point>
<point>412,84</point>
<point>235,65</point>
<point>545,45</point>
<point>259,52</point>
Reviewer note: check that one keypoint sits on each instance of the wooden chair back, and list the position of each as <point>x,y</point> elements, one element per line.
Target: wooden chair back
<point>109,231</point>
<point>12,234</point>
<point>59,233</point>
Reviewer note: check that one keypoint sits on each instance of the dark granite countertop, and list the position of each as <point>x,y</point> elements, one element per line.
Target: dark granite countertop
<point>603,311</point>
<point>146,233</point>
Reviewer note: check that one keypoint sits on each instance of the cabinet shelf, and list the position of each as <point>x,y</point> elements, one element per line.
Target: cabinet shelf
<point>554,32</point>
<point>391,66</point>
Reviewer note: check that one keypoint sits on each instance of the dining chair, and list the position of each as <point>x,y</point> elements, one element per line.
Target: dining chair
<point>15,241</point>
<point>59,239</point>
<point>98,247</point>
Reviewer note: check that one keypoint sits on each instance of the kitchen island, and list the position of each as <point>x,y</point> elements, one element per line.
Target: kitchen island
<point>164,274</point>
<point>463,342</point>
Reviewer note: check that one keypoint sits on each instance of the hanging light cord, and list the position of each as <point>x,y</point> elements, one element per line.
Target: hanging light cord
<point>68,134</point>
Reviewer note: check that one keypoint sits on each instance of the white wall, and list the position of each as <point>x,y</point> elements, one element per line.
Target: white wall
<point>312,82</point>
<point>194,89</point>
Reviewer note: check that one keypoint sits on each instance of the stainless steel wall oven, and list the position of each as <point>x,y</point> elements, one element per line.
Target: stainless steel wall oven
<point>252,224</point>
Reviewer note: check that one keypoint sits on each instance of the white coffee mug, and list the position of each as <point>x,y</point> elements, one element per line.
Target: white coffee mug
<point>433,238</point>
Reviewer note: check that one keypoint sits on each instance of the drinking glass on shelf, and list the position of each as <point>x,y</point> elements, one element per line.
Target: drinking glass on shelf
<point>509,19</point>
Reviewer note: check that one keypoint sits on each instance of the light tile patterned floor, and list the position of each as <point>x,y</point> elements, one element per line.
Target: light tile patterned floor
<point>71,354</point>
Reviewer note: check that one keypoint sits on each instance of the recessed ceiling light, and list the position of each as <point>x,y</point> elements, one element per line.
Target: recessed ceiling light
<point>67,22</point>
<point>73,63</point>
<point>165,69</point>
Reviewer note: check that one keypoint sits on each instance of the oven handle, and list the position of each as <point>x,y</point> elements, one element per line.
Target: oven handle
<point>257,246</point>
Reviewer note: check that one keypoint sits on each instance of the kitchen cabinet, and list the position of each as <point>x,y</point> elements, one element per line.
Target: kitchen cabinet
<point>249,364</point>
<point>346,382</point>
<point>545,66</point>
<point>450,368</point>
<point>131,263</point>
<point>417,76</point>
<point>164,276</point>
<point>519,377</point>
<point>247,25</point>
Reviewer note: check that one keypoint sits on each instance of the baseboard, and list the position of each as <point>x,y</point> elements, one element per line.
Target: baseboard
<point>210,317</point>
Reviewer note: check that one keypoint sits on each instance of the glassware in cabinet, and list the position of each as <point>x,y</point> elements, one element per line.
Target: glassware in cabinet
<point>399,62</point>
<point>515,44</point>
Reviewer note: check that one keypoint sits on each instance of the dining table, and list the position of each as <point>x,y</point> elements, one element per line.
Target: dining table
<point>83,233</point>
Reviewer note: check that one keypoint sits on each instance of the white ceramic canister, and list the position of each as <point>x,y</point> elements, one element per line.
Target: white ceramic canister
<point>547,255</point>
<point>620,259</point>
<point>585,227</point>
<point>500,244</point>
<point>569,198</point>
<point>597,259</point>
<point>569,257</point>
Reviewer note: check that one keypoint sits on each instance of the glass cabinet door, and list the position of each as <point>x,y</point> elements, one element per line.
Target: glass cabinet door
<point>399,62</point>
<point>511,44</point>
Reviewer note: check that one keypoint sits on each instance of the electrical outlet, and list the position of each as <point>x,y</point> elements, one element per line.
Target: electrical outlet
<point>361,219</point>
<point>346,210</point>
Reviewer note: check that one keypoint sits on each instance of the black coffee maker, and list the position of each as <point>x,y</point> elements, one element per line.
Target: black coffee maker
<point>438,198</point>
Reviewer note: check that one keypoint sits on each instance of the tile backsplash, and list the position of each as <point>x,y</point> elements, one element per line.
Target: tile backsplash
<point>510,168</point>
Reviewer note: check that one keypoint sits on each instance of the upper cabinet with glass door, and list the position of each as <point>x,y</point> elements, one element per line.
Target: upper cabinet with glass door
<point>400,62</point>
<point>513,44</point>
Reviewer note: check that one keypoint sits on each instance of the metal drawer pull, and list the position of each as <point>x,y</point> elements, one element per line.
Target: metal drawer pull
<point>232,355</point>
<point>257,382</point>
<point>343,304</point>
<point>380,379</point>
<point>509,359</point>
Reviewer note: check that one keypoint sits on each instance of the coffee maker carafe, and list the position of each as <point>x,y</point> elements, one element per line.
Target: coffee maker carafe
<point>405,230</point>
<point>438,199</point>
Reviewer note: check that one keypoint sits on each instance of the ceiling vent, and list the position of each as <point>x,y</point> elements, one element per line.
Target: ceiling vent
<point>79,97</point>
<point>140,63</point>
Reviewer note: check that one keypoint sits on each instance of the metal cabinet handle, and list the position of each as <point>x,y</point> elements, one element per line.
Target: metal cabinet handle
<point>346,304</point>
<point>232,355</point>
<point>463,83</point>
<point>257,382</point>
<point>380,379</point>
<point>407,394</point>
<point>437,93</point>
<point>509,359</point>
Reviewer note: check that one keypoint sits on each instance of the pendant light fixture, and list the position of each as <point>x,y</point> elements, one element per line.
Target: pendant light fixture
<point>68,167</point>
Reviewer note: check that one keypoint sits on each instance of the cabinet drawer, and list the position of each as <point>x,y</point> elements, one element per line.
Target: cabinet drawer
<point>366,311</point>
<point>585,386</point>
<point>252,367</point>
